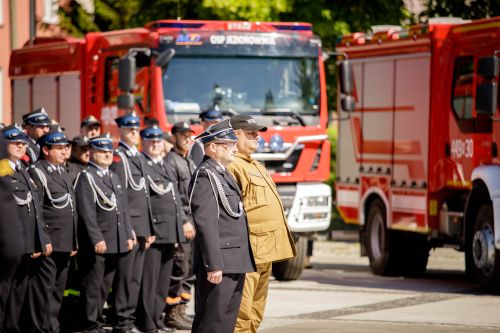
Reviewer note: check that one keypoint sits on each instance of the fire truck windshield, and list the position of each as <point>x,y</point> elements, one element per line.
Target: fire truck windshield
<point>266,86</point>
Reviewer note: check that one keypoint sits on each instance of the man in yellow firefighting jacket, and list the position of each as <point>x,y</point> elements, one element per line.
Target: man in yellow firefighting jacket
<point>269,235</point>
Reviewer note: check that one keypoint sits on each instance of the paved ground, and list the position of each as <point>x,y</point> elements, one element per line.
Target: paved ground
<point>341,295</point>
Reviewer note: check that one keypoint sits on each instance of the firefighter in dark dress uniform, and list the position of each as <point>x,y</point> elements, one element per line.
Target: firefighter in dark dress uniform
<point>80,152</point>
<point>222,253</point>
<point>129,164</point>
<point>105,233</point>
<point>29,201</point>
<point>11,234</point>
<point>182,274</point>
<point>90,127</point>
<point>167,222</point>
<point>61,220</point>
<point>36,124</point>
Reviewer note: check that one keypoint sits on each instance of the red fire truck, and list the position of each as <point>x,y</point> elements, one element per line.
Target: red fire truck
<point>272,71</point>
<point>418,164</point>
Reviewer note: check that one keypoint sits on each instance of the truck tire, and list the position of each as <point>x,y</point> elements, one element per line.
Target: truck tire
<point>291,269</point>
<point>485,265</point>
<point>378,244</point>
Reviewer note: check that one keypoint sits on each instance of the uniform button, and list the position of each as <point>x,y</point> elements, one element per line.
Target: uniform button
<point>227,244</point>
<point>118,223</point>
<point>154,220</point>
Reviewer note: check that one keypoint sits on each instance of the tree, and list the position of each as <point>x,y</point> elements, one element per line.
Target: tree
<point>473,9</point>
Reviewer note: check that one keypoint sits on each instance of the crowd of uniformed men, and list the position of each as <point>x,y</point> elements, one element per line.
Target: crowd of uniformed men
<point>120,228</point>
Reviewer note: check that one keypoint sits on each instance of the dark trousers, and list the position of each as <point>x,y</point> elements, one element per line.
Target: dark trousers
<point>182,271</point>
<point>18,297</point>
<point>217,305</point>
<point>127,283</point>
<point>7,291</point>
<point>155,283</point>
<point>98,271</point>
<point>46,291</point>
<point>5,282</point>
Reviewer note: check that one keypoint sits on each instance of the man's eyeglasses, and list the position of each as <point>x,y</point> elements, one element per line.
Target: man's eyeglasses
<point>228,145</point>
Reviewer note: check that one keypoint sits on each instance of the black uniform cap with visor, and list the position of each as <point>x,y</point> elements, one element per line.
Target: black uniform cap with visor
<point>39,117</point>
<point>220,132</point>
<point>89,121</point>
<point>79,141</point>
<point>14,133</point>
<point>53,138</point>
<point>102,142</point>
<point>152,133</point>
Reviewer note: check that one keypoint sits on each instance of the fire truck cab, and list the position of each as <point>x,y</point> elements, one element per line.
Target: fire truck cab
<point>271,70</point>
<point>418,164</point>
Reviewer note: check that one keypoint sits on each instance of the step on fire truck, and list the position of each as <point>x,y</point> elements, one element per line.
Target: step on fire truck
<point>418,164</point>
<point>272,71</point>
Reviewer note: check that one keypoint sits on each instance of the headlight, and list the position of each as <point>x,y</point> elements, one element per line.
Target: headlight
<point>276,143</point>
<point>315,216</point>
<point>317,201</point>
<point>261,145</point>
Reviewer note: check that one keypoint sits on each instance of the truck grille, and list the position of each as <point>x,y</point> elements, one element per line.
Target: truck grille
<point>285,166</point>
<point>287,194</point>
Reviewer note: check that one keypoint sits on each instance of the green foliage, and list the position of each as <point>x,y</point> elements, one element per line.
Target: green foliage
<point>474,9</point>
<point>248,10</point>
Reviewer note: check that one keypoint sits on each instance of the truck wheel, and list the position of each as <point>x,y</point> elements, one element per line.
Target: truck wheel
<point>378,240</point>
<point>485,258</point>
<point>291,269</point>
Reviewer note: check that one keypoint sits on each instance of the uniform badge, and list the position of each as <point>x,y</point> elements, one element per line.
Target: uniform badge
<point>99,173</point>
<point>129,154</point>
<point>218,168</point>
<point>49,169</point>
<point>150,163</point>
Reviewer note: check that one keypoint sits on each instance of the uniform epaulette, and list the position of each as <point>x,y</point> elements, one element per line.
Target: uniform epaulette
<point>5,169</point>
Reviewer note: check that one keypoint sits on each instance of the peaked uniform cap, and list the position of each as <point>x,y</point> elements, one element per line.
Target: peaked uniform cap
<point>39,117</point>
<point>181,127</point>
<point>101,142</point>
<point>212,114</point>
<point>129,120</point>
<point>14,133</point>
<point>152,133</point>
<point>80,141</point>
<point>53,138</point>
<point>222,131</point>
<point>89,121</point>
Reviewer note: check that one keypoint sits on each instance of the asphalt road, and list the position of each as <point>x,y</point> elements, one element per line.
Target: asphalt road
<point>340,294</point>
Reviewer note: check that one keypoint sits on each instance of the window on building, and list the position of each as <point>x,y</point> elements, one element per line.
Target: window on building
<point>463,85</point>
<point>1,94</point>
<point>1,12</point>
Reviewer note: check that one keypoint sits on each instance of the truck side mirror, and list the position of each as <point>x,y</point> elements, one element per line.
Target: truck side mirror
<point>125,101</point>
<point>488,67</point>
<point>165,57</point>
<point>345,75</point>
<point>486,98</point>
<point>126,73</point>
<point>348,104</point>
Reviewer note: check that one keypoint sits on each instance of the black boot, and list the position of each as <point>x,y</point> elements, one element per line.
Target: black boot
<point>174,320</point>
<point>181,310</point>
